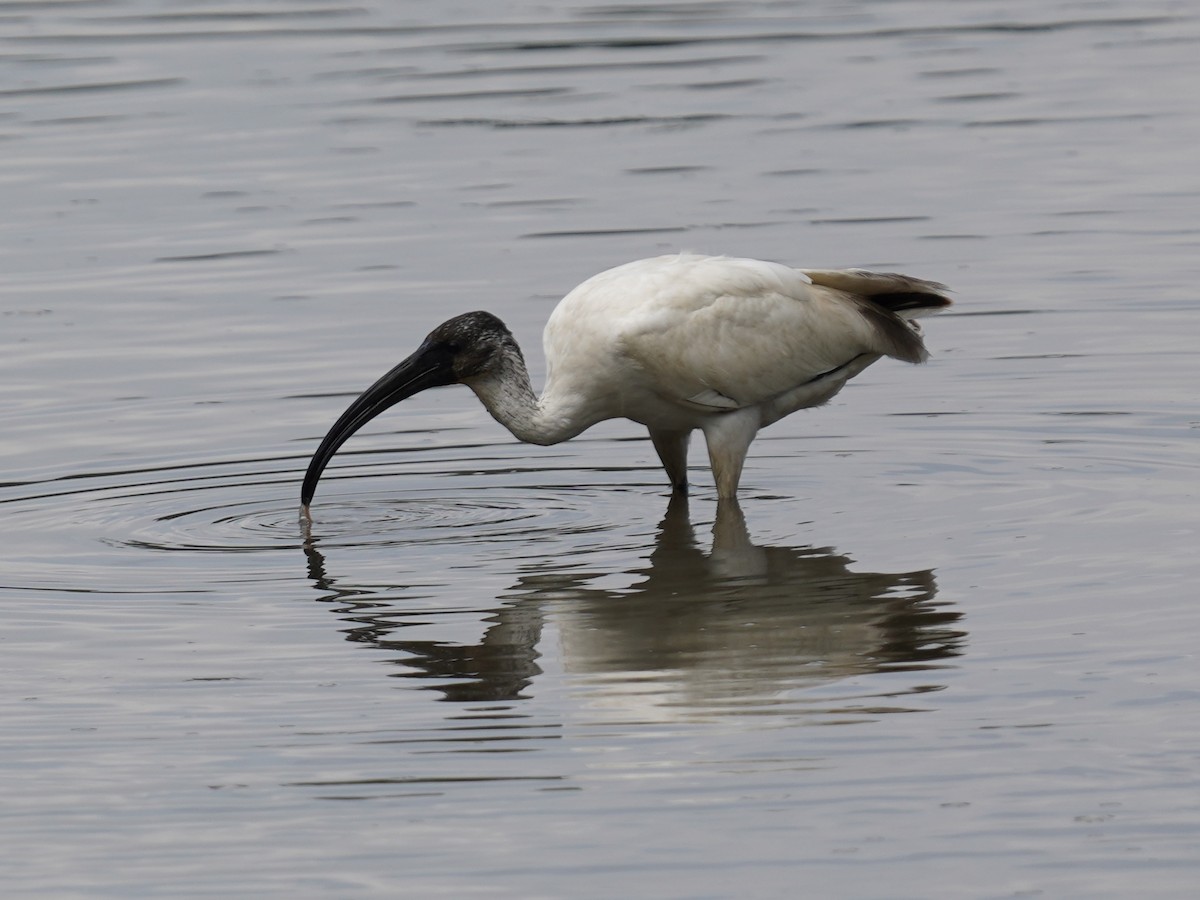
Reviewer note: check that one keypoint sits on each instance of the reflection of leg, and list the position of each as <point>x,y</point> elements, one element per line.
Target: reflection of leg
<point>729,528</point>
<point>676,538</point>
<point>672,447</point>
<point>733,553</point>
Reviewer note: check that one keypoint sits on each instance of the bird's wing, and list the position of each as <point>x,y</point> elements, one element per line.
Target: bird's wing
<point>714,400</point>
<point>725,334</point>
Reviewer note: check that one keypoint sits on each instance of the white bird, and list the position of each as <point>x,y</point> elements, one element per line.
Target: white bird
<point>676,343</point>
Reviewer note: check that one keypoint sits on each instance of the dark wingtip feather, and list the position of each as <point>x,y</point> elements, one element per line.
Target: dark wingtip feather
<point>906,301</point>
<point>896,337</point>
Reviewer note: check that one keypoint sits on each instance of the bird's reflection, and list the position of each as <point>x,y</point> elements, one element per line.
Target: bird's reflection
<point>702,629</point>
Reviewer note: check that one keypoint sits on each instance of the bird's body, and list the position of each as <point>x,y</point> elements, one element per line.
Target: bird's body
<point>677,343</point>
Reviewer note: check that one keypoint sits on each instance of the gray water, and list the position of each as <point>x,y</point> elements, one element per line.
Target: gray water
<point>950,650</point>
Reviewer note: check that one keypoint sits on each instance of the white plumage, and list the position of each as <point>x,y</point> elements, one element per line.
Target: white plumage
<point>677,343</point>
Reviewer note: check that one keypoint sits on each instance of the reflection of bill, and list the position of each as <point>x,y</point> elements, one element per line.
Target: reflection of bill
<point>732,630</point>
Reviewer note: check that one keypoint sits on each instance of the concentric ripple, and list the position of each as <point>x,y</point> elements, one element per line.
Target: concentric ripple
<point>107,531</point>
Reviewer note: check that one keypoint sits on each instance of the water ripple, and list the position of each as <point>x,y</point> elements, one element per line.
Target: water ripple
<point>250,506</point>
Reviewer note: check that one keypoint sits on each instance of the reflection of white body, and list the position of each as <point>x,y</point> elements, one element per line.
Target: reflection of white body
<point>737,629</point>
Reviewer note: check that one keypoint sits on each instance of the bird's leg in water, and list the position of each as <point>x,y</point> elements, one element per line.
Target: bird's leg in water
<point>728,437</point>
<point>672,447</point>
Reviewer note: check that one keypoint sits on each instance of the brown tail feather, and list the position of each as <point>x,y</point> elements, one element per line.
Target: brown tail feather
<point>915,304</point>
<point>897,337</point>
<point>875,284</point>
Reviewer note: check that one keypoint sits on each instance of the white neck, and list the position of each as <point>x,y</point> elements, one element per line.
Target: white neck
<point>509,397</point>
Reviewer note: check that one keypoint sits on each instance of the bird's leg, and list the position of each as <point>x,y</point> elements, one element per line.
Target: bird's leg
<point>728,437</point>
<point>672,447</point>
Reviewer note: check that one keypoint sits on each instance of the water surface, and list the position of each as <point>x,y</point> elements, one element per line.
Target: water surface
<point>945,647</point>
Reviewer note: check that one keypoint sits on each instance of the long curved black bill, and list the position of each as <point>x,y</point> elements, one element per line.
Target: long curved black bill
<point>429,367</point>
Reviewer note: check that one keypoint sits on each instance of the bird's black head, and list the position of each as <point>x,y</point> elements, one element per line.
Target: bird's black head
<point>474,343</point>
<point>460,349</point>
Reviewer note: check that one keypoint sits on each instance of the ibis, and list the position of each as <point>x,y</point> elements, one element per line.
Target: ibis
<point>677,343</point>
